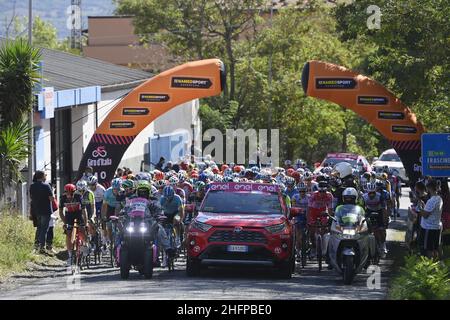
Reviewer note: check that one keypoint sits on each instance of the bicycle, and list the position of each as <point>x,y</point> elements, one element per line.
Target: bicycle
<point>320,229</point>
<point>96,242</point>
<point>112,246</point>
<point>169,228</point>
<point>76,262</point>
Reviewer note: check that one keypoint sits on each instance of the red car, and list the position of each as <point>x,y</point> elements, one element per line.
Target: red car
<point>241,224</point>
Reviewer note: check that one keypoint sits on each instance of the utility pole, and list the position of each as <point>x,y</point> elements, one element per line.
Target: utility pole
<point>31,113</point>
<point>269,120</point>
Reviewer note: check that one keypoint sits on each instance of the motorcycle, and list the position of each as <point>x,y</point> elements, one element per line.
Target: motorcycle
<point>348,245</point>
<point>136,245</point>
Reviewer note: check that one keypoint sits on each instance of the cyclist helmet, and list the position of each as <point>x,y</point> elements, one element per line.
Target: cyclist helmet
<point>296,176</point>
<point>199,186</point>
<point>349,196</point>
<point>173,181</point>
<point>217,178</point>
<point>255,169</point>
<point>70,188</point>
<point>144,189</point>
<point>203,177</point>
<point>168,192</point>
<point>154,191</point>
<point>181,175</point>
<point>307,176</point>
<point>371,187</point>
<point>323,186</point>
<point>81,185</point>
<point>143,176</point>
<point>290,171</point>
<point>228,172</point>
<point>302,187</point>
<point>290,182</point>
<point>92,180</point>
<point>128,184</point>
<point>215,170</point>
<point>160,184</point>
<point>158,175</point>
<point>116,184</point>
<point>224,167</point>
<point>287,163</point>
<point>194,175</point>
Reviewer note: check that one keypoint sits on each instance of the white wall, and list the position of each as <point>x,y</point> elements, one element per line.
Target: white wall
<point>179,118</point>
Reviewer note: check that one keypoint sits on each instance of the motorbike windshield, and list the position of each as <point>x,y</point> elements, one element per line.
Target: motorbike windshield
<point>349,216</point>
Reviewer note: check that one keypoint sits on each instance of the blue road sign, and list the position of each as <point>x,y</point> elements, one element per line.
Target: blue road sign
<point>436,154</point>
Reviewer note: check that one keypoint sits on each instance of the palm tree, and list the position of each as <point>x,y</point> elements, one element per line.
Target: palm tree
<point>18,75</point>
<point>14,149</point>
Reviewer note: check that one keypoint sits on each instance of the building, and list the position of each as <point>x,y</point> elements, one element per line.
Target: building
<point>112,39</point>
<point>73,98</point>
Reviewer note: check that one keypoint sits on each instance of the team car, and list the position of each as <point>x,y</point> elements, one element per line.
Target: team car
<point>241,224</point>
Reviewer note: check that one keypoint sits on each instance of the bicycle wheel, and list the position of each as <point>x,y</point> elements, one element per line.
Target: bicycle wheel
<point>319,251</point>
<point>304,249</point>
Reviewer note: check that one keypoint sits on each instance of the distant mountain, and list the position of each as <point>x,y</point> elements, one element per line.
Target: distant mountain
<point>54,11</point>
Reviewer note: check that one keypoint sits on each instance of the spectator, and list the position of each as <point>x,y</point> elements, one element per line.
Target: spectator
<point>41,207</point>
<point>119,173</point>
<point>160,164</point>
<point>50,232</point>
<point>430,233</point>
<point>168,167</point>
<point>88,172</point>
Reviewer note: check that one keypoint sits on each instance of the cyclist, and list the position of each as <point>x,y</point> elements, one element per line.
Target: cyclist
<point>396,189</point>
<point>300,200</point>
<point>110,207</point>
<point>99,192</point>
<point>88,200</point>
<point>310,184</point>
<point>386,196</point>
<point>71,208</point>
<point>374,202</point>
<point>291,191</point>
<point>319,202</point>
<point>172,206</point>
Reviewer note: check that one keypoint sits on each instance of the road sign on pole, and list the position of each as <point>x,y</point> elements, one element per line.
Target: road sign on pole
<point>436,154</point>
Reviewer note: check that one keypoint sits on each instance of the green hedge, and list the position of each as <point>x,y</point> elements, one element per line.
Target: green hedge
<point>421,279</point>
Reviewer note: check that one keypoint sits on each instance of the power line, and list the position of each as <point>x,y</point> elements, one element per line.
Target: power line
<point>62,128</point>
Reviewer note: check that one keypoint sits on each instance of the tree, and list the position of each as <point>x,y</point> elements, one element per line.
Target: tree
<point>14,149</point>
<point>196,29</point>
<point>18,75</point>
<point>412,55</point>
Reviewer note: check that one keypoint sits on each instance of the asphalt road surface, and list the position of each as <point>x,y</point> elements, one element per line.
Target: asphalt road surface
<point>101,282</point>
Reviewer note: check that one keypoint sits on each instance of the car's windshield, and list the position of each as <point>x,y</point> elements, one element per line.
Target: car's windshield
<point>242,202</point>
<point>349,215</point>
<point>332,161</point>
<point>390,157</point>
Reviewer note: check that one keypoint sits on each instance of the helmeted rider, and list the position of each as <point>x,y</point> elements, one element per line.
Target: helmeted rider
<point>375,202</point>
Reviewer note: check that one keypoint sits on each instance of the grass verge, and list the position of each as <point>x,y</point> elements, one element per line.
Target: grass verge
<point>17,241</point>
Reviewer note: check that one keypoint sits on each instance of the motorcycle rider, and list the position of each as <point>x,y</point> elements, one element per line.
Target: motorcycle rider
<point>374,202</point>
<point>144,190</point>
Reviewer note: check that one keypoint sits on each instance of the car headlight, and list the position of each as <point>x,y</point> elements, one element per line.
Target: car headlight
<point>276,228</point>
<point>201,226</point>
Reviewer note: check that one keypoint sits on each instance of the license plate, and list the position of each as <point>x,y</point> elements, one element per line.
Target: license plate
<point>350,232</point>
<point>234,248</point>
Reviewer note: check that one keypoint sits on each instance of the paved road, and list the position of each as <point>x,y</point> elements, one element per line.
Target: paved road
<point>104,283</point>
